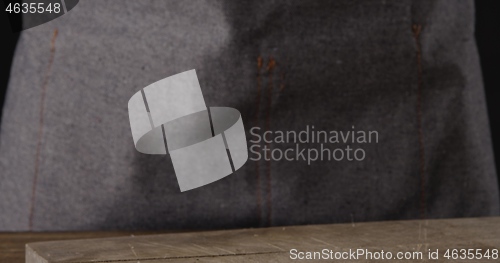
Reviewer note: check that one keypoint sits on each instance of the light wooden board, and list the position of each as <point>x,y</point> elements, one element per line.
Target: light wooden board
<point>274,244</point>
<point>13,244</point>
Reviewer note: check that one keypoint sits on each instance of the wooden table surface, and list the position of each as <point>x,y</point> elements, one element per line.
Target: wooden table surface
<point>13,245</point>
<point>257,245</point>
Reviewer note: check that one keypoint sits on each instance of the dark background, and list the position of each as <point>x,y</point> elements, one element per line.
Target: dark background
<point>488,41</point>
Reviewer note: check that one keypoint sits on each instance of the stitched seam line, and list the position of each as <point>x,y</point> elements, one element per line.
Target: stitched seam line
<point>270,68</point>
<point>256,123</point>
<point>416,29</point>
<point>40,128</point>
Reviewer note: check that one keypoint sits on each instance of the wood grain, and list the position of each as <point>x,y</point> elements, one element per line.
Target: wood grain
<point>13,245</point>
<point>274,244</point>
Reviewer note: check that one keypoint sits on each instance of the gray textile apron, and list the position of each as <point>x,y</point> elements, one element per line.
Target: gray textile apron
<point>408,70</point>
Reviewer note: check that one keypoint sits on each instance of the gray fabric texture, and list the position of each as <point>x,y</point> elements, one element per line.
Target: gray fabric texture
<point>67,159</point>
